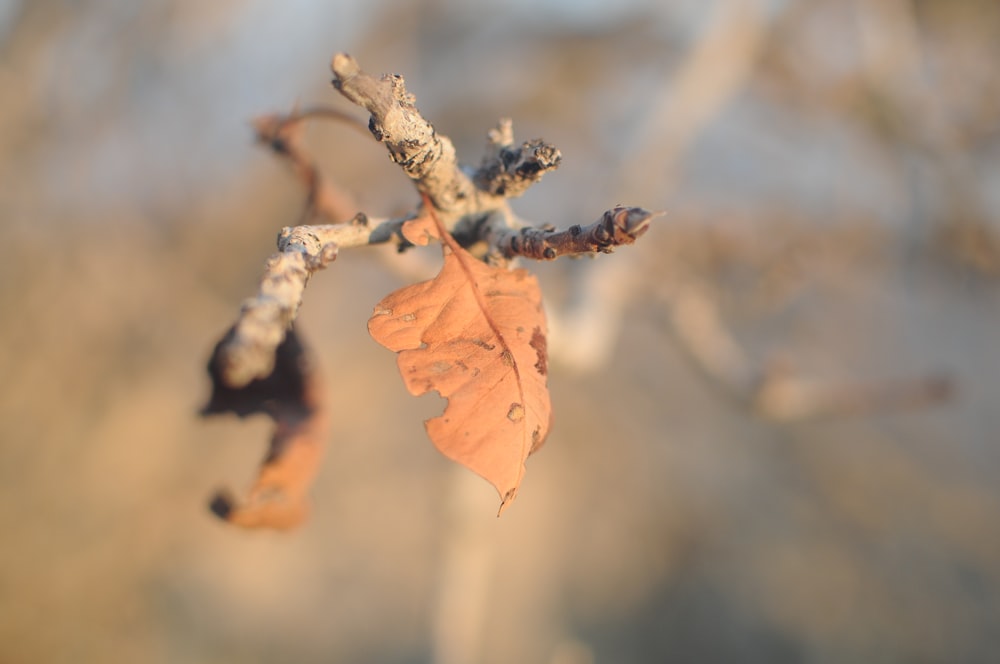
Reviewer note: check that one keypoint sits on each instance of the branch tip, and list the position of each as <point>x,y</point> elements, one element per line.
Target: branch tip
<point>343,67</point>
<point>503,134</point>
<point>618,226</point>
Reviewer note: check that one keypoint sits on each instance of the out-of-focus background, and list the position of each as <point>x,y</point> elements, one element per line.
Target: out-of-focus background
<point>777,433</point>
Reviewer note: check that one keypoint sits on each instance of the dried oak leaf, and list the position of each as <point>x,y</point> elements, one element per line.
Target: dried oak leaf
<point>292,396</point>
<point>475,334</point>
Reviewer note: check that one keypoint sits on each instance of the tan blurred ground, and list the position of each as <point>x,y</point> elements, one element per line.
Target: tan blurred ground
<point>831,172</point>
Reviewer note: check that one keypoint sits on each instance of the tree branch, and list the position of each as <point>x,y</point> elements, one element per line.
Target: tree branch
<point>616,227</point>
<point>508,171</point>
<point>429,159</point>
<point>260,364</point>
<point>426,157</point>
<point>283,134</point>
<point>248,351</point>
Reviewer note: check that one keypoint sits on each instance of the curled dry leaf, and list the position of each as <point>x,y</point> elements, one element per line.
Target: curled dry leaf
<point>292,396</point>
<point>476,335</point>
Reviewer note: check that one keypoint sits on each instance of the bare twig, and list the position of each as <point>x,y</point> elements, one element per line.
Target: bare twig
<point>429,159</point>
<point>248,353</point>
<point>426,157</point>
<point>358,232</point>
<point>616,227</point>
<point>283,133</point>
<point>508,171</point>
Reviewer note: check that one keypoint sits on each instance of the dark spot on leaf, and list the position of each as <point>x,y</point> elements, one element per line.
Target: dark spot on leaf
<point>482,344</point>
<point>536,439</point>
<point>516,412</point>
<point>507,358</point>
<point>539,344</point>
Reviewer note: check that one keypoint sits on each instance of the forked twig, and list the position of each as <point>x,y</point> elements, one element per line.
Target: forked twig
<point>249,356</point>
<point>429,159</point>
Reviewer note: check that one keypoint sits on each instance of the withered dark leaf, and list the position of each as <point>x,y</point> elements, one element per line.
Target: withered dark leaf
<point>292,396</point>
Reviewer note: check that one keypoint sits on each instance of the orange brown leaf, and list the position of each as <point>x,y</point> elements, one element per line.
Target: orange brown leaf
<point>476,335</point>
<point>420,230</point>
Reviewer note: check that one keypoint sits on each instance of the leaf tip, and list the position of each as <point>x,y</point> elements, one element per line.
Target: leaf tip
<point>272,509</point>
<point>540,345</point>
<point>507,499</point>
